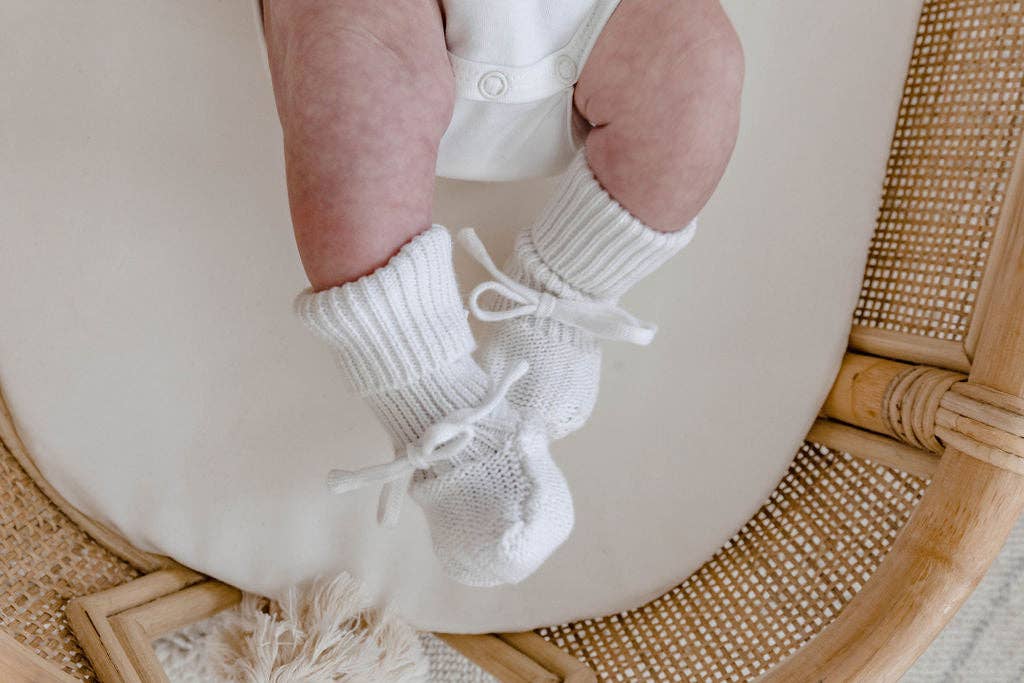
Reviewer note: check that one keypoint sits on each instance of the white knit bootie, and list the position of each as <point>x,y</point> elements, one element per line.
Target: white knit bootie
<point>557,298</point>
<point>496,503</point>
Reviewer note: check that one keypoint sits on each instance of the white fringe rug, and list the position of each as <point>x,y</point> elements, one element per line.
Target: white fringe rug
<point>321,632</point>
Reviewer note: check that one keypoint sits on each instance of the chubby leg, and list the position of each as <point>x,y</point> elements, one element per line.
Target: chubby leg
<point>364,91</point>
<point>662,90</point>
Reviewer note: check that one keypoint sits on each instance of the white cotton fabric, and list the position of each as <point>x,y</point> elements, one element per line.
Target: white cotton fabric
<point>497,506</point>
<point>155,370</point>
<point>397,325</point>
<point>515,66</point>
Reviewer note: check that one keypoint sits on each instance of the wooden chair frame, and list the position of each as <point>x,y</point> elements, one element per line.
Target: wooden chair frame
<point>117,627</point>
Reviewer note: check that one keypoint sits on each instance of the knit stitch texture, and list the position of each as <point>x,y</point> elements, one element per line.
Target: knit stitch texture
<point>500,506</point>
<point>585,246</point>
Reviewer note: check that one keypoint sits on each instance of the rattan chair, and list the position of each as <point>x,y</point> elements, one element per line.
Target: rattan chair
<point>904,491</point>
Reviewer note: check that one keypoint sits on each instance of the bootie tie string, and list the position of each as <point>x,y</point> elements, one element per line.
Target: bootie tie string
<point>602,319</point>
<point>443,441</point>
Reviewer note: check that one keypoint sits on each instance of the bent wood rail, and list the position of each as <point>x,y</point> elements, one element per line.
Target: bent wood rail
<point>976,496</point>
<point>958,420</point>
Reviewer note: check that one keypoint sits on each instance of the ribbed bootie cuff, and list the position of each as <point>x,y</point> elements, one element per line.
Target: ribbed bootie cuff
<point>400,323</point>
<point>594,244</point>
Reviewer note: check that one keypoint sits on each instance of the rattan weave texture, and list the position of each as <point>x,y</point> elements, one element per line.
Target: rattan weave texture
<point>952,155</point>
<point>46,560</point>
<point>773,586</point>
<point>823,532</point>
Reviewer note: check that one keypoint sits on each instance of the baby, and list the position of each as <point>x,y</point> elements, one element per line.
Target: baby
<point>635,102</point>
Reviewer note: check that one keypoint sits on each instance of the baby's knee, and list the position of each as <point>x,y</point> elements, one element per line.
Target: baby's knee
<point>700,54</point>
<point>389,55</point>
<point>656,57</point>
<point>730,51</point>
<point>723,59</point>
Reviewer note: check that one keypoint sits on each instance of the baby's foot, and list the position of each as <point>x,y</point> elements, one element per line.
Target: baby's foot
<point>496,504</point>
<point>557,298</point>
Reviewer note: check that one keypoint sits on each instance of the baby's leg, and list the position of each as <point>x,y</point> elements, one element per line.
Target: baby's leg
<point>662,88</point>
<point>364,91</point>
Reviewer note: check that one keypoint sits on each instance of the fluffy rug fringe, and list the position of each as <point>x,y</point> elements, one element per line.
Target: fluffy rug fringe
<point>324,631</point>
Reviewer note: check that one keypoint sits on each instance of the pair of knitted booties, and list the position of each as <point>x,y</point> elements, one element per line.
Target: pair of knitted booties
<point>471,439</point>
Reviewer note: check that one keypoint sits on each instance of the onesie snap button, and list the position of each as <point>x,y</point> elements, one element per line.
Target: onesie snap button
<point>566,68</point>
<point>493,84</point>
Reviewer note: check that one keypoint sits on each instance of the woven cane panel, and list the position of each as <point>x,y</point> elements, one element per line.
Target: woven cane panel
<point>46,561</point>
<point>778,582</point>
<point>951,159</point>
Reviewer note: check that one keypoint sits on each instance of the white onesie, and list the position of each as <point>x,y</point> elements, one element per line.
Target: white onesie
<point>516,63</point>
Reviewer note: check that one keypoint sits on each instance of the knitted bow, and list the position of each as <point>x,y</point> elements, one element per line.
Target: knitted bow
<point>442,441</point>
<point>602,319</point>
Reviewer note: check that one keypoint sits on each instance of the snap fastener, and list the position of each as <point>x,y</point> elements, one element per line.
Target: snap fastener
<point>565,67</point>
<point>493,84</point>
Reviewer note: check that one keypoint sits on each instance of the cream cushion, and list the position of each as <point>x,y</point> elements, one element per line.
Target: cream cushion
<point>151,360</point>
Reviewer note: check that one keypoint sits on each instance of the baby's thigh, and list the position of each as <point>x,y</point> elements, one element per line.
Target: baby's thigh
<point>409,29</point>
<point>383,50</point>
<point>662,88</point>
<point>652,55</point>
